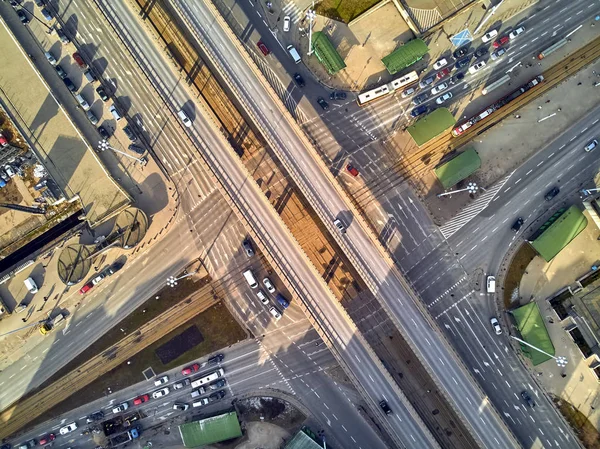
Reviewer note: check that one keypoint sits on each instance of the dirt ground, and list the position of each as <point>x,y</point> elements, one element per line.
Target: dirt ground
<point>518,267</point>
<point>264,435</point>
<point>274,410</point>
<point>586,431</point>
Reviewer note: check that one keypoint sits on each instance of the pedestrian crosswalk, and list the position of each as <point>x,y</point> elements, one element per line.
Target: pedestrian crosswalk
<point>292,10</point>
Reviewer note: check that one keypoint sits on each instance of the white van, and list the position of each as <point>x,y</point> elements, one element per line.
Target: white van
<point>491,284</point>
<point>294,54</point>
<point>250,279</point>
<point>31,286</point>
<point>184,118</point>
<point>114,112</point>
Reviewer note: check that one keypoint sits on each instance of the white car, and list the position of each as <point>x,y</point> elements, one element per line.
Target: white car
<point>50,57</point>
<point>182,407</point>
<point>269,285</point>
<point>68,428</point>
<point>496,326</point>
<point>263,298</point>
<point>491,284</point>
<point>439,64</point>
<point>286,23</point>
<point>9,171</point>
<point>275,313</point>
<point>443,98</point>
<point>489,36</point>
<point>477,67</point>
<point>120,408</point>
<point>515,33</point>
<point>409,91</point>
<point>161,380</point>
<point>439,88</point>
<point>590,146</point>
<point>160,393</point>
<point>340,226</point>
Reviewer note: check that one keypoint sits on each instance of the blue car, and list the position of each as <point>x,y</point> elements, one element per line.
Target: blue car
<point>282,301</point>
<point>420,110</point>
<point>462,63</point>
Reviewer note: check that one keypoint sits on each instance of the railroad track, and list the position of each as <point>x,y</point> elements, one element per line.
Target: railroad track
<point>425,158</point>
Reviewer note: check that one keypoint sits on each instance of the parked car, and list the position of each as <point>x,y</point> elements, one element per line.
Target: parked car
<point>462,63</point>
<point>247,244</point>
<point>444,98</point>
<point>352,170</point>
<point>69,84</point>
<point>496,325</point>
<point>9,171</point>
<point>160,393</point>
<point>337,95</point>
<point>22,16</point>
<point>262,296</point>
<point>101,91</point>
<point>263,48</point>
<point>440,63</point>
<point>92,118</point>
<point>481,51</point>
<point>419,110</point>
<point>426,81</point>
<point>491,284</point>
<point>129,133</point>
<point>190,369</point>
<point>551,194</point>
<point>323,103</point>
<point>527,399</point>
<point>495,55</point>
<point>500,42</point>
<point>217,358</point>
<point>590,146</point>
<point>286,23</point>
<point>86,288</point>
<point>3,140</point>
<point>443,73</point>
<point>456,78</point>
<point>420,98</point>
<point>47,439</point>
<point>161,380</point>
<point>79,60</point>
<point>517,224</point>
<point>439,88</point>
<point>103,133</point>
<point>63,37</point>
<point>116,266</point>
<point>120,408</point>
<point>50,57</point>
<point>46,14</point>
<point>299,80</point>
<point>460,52</point>
<point>489,35</point>
<point>136,149</point>
<point>60,72</point>
<point>96,416</point>
<point>141,399</point>
<point>269,285</point>
<point>514,33</point>
<point>385,407</point>
<point>273,311</point>
<point>476,67</point>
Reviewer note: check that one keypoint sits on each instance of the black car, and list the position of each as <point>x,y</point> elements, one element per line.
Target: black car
<point>456,78</point>
<point>426,81</point>
<point>527,399</point>
<point>6,446</point>
<point>323,103</point>
<point>116,266</point>
<point>63,37</point>
<point>103,133</point>
<point>22,16</point>
<point>60,72</point>
<point>299,80</point>
<point>462,63</point>
<point>551,194</point>
<point>481,51</point>
<point>420,99</point>
<point>69,84</point>
<point>216,359</point>
<point>460,52</point>
<point>517,224</point>
<point>420,110</point>
<point>218,384</point>
<point>102,93</point>
<point>96,416</point>
<point>217,395</point>
<point>129,133</point>
<point>337,96</point>
<point>385,407</point>
<point>136,149</point>
<point>247,244</point>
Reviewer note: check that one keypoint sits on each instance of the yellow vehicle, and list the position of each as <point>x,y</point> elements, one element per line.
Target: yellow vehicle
<point>48,325</point>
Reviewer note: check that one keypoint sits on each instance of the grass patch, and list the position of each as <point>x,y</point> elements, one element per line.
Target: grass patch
<point>586,432</point>
<point>216,324</point>
<point>344,10</point>
<point>519,263</point>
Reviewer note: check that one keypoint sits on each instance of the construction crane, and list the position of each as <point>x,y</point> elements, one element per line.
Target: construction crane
<point>36,323</point>
<point>28,209</point>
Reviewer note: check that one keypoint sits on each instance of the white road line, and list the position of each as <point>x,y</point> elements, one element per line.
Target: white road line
<point>528,173</point>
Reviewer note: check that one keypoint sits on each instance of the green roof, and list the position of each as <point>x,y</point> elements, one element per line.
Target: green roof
<point>459,168</point>
<point>530,324</point>
<point>302,441</point>
<point>431,125</point>
<point>405,56</point>
<point>560,233</point>
<point>210,430</point>
<point>326,53</point>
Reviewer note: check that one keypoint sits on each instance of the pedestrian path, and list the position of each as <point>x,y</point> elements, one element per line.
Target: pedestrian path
<point>294,11</point>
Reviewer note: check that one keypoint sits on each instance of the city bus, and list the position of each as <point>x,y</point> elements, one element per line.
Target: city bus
<point>207,378</point>
<point>386,89</point>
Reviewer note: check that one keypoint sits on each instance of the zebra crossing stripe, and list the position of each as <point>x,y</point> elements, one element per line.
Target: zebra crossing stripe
<point>292,10</point>
<point>472,210</point>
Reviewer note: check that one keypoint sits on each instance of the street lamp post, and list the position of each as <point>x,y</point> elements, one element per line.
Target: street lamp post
<point>589,191</point>
<point>103,145</point>
<point>560,361</point>
<point>471,188</point>
<point>310,15</point>
<point>172,280</point>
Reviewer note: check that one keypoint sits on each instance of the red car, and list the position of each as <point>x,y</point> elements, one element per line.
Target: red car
<point>443,73</point>
<point>263,48</point>
<point>352,170</point>
<point>3,141</point>
<point>47,438</point>
<point>190,369</point>
<point>500,42</point>
<point>79,60</point>
<point>86,288</point>
<point>141,399</point>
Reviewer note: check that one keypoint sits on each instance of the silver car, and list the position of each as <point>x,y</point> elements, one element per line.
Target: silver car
<point>439,88</point>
